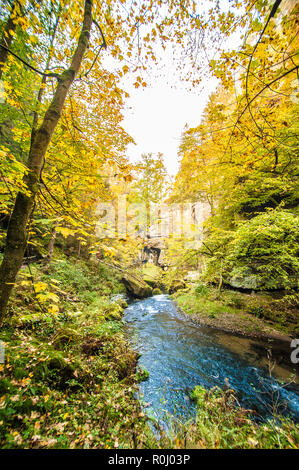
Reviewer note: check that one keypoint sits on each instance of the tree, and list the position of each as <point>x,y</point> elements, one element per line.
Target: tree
<point>151,183</point>
<point>17,230</point>
<point>46,54</point>
<point>241,158</point>
<point>51,104</point>
<point>8,33</point>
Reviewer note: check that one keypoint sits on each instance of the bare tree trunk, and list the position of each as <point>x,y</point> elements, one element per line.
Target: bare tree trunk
<point>16,239</point>
<point>51,247</point>
<point>220,278</point>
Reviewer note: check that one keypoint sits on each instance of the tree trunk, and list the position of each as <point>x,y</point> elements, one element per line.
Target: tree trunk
<point>220,278</point>
<point>51,247</point>
<point>16,239</point>
<point>44,79</point>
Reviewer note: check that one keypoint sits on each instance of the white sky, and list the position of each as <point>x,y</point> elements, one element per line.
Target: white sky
<point>155,117</point>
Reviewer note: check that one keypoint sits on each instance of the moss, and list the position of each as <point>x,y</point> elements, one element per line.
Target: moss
<point>152,275</point>
<point>136,286</point>
<point>122,302</point>
<point>116,313</point>
<point>176,285</point>
<point>142,374</point>
<point>69,379</point>
<point>157,291</point>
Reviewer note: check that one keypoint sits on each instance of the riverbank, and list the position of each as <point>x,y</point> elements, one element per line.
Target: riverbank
<point>69,375</point>
<point>251,315</point>
<point>222,424</point>
<point>187,362</point>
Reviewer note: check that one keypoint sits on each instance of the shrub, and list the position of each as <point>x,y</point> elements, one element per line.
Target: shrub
<point>261,253</point>
<point>201,289</point>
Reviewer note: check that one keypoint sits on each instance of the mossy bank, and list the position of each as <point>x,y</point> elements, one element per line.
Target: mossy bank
<point>69,375</point>
<point>257,315</point>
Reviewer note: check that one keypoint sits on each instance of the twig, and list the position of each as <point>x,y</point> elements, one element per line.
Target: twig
<point>49,75</point>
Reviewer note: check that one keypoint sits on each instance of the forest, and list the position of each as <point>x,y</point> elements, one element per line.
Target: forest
<point>127,294</point>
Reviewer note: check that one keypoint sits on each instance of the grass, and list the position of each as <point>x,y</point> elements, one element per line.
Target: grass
<point>69,378</point>
<point>193,303</point>
<point>222,423</point>
<point>250,312</point>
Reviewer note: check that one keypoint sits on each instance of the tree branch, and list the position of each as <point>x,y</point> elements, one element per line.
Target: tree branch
<point>103,45</point>
<point>48,75</point>
<point>272,14</point>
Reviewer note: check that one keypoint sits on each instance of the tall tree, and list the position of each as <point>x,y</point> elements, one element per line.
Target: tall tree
<point>151,183</point>
<point>17,230</point>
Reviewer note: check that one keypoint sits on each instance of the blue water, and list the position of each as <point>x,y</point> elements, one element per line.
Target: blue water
<point>179,355</point>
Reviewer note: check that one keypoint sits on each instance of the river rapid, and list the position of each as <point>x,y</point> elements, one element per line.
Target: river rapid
<point>179,354</point>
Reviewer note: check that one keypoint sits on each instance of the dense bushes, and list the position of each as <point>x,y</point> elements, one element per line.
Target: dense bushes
<point>69,377</point>
<point>260,254</point>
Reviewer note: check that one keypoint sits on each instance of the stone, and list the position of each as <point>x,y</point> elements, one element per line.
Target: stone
<point>176,285</point>
<point>192,276</point>
<point>157,291</point>
<point>136,287</point>
<point>247,279</point>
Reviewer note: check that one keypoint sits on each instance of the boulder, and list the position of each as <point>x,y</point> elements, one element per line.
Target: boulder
<point>176,284</point>
<point>246,281</point>
<point>136,287</point>
<point>157,291</point>
<point>249,280</point>
<point>152,275</point>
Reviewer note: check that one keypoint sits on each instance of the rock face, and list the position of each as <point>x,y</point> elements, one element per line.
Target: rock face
<point>192,276</point>
<point>153,250</point>
<point>247,279</point>
<point>136,287</point>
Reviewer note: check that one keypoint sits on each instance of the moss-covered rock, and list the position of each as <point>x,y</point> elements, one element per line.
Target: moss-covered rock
<point>56,371</point>
<point>136,287</point>
<point>122,302</point>
<point>246,278</point>
<point>115,312</point>
<point>152,275</point>
<point>142,374</point>
<point>175,285</point>
<point>157,291</point>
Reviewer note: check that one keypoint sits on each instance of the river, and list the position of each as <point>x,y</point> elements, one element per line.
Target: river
<point>179,354</point>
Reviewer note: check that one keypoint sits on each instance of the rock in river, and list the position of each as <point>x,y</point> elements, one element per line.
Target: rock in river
<point>136,287</point>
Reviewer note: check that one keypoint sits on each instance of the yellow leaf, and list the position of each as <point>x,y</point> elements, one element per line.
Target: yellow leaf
<point>65,232</point>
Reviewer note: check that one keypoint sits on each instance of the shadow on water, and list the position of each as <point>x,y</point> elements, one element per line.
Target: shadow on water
<point>179,355</point>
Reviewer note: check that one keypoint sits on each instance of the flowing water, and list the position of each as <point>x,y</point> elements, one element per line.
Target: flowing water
<point>179,354</point>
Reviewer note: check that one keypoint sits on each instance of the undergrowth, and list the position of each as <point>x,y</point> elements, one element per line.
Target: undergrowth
<point>69,377</point>
<point>280,313</point>
<point>222,423</point>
